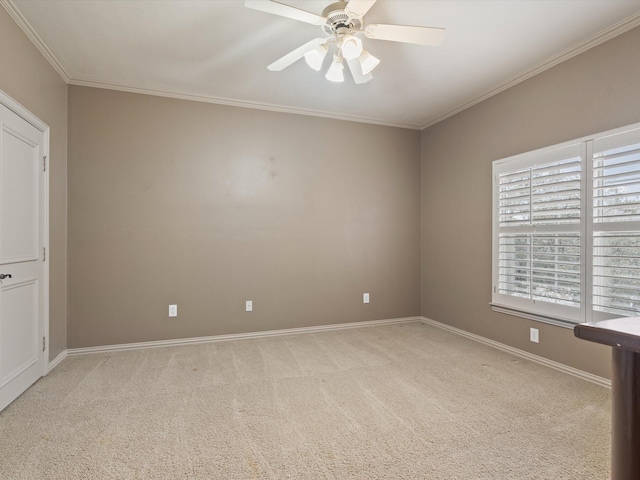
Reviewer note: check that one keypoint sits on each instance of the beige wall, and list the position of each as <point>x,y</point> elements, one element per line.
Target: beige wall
<point>26,76</point>
<point>595,91</point>
<point>207,206</point>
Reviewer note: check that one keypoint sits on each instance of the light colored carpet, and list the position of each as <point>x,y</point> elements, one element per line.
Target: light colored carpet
<point>405,401</point>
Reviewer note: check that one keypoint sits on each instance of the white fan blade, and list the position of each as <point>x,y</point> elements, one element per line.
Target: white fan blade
<point>356,72</point>
<point>358,8</point>
<point>283,10</point>
<point>296,54</point>
<point>430,36</point>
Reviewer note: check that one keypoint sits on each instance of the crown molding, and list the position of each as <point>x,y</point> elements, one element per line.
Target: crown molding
<point>611,32</point>
<point>15,13</point>
<point>85,82</point>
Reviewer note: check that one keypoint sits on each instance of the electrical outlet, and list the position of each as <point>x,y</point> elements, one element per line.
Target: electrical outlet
<point>249,306</point>
<point>365,298</point>
<point>534,335</point>
<point>173,310</point>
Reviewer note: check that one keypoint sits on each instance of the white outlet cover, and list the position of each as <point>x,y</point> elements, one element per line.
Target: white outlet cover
<point>365,298</point>
<point>534,335</point>
<point>249,306</point>
<point>173,310</point>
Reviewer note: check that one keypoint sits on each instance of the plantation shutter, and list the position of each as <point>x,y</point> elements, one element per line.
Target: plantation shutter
<point>616,226</point>
<point>538,243</point>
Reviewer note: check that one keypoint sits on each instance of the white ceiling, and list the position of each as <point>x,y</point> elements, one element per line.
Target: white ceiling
<point>218,50</point>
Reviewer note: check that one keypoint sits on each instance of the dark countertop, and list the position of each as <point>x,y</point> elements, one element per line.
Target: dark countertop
<point>619,333</point>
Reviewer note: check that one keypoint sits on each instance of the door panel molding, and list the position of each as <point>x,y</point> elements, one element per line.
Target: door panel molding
<point>32,355</point>
<point>20,184</point>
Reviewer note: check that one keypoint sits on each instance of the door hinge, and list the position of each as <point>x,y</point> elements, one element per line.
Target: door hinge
<point>44,343</point>
<point>44,253</point>
<point>44,161</point>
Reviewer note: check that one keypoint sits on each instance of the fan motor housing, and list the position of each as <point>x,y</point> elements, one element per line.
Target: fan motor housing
<point>338,18</point>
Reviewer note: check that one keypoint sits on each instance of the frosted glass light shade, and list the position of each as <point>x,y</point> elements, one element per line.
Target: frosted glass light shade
<point>336,70</point>
<point>351,47</point>
<point>368,62</point>
<point>315,57</point>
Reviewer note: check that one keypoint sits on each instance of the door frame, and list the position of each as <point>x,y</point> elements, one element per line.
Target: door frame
<point>29,117</point>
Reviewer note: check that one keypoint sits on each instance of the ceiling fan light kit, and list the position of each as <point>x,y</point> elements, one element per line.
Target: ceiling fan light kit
<point>342,22</point>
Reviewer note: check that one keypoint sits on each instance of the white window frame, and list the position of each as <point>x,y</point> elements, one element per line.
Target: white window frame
<point>561,315</point>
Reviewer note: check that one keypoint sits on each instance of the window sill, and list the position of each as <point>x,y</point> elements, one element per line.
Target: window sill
<point>558,322</point>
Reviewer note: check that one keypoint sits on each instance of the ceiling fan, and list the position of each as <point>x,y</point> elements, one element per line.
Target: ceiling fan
<point>342,23</point>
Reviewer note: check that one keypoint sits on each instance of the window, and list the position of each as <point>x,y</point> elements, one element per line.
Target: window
<point>566,230</point>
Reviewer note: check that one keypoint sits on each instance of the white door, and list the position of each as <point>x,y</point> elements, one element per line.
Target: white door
<point>21,255</point>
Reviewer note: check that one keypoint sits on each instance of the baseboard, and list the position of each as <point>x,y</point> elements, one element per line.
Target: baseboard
<point>56,361</point>
<point>603,382</point>
<point>236,336</point>
<point>339,326</point>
